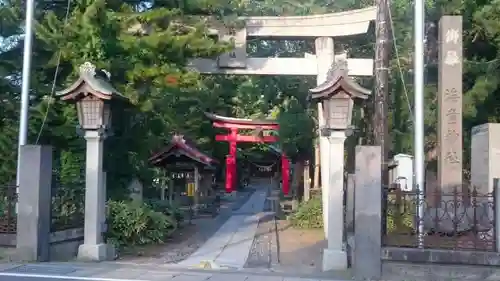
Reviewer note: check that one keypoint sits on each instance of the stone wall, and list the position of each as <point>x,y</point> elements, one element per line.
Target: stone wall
<point>63,244</point>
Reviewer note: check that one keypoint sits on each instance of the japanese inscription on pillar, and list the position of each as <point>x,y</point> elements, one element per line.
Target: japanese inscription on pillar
<point>236,58</point>
<point>450,103</point>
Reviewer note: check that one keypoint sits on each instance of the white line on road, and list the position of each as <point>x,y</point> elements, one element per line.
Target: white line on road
<point>64,277</point>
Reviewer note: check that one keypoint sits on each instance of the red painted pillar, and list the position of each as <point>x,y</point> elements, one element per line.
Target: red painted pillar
<point>231,162</point>
<point>285,174</point>
<point>233,153</point>
<point>229,172</point>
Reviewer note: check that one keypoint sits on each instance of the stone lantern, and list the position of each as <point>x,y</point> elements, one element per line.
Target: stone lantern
<point>93,96</point>
<point>336,95</point>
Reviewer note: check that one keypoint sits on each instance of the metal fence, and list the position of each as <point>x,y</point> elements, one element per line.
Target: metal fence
<point>8,217</point>
<point>457,220</point>
<point>68,203</point>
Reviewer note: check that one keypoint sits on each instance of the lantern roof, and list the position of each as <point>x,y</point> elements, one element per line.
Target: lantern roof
<point>92,81</point>
<point>180,146</point>
<point>338,80</point>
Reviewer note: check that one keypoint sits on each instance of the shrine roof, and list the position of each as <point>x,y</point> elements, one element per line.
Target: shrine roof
<point>241,121</point>
<point>179,145</point>
<point>338,79</point>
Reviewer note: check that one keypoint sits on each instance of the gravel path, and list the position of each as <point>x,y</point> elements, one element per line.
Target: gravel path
<point>281,248</point>
<point>260,255</point>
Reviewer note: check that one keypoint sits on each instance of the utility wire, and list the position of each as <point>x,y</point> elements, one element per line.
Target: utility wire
<point>405,90</point>
<point>54,80</point>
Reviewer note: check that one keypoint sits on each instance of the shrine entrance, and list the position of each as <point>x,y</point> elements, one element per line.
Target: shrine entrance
<point>259,134</point>
<point>322,29</point>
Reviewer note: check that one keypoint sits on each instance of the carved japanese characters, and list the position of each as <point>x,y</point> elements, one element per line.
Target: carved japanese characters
<point>450,103</point>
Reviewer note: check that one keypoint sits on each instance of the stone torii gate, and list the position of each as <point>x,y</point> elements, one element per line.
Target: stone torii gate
<point>323,28</point>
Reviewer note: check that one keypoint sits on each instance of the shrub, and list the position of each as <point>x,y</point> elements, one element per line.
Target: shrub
<point>168,209</point>
<point>131,224</point>
<point>309,214</point>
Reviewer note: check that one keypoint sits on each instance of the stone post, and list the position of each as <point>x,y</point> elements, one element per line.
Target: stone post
<point>34,203</point>
<point>306,181</point>
<point>368,216</point>
<point>162,190</point>
<point>325,58</point>
<point>93,247</point>
<point>496,194</point>
<point>335,257</point>
<point>450,105</point>
<point>350,208</point>
<point>103,202</point>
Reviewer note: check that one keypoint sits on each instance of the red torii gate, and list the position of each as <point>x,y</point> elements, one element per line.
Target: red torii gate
<point>235,124</point>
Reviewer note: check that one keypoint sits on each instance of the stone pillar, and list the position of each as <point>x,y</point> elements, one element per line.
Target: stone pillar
<point>335,257</point>
<point>485,155</point>
<point>306,181</point>
<point>368,216</point>
<point>93,247</point>
<point>136,190</point>
<point>325,58</point>
<point>162,191</point>
<point>450,105</point>
<point>103,201</point>
<point>496,190</point>
<point>350,202</point>
<point>34,203</point>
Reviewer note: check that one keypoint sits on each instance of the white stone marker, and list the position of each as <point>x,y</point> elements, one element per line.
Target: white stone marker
<point>485,156</point>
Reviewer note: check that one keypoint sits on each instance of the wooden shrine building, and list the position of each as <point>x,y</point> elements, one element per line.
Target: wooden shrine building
<point>190,170</point>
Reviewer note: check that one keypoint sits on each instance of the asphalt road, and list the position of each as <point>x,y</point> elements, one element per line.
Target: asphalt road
<point>18,278</point>
<point>33,277</point>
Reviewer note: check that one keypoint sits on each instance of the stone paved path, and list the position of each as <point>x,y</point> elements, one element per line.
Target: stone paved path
<point>205,228</point>
<point>230,245</point>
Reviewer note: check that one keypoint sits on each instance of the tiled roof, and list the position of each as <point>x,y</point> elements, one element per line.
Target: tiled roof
<point>179,143</point>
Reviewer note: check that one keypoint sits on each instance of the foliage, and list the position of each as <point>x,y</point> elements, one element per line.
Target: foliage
<point>167,209</point>
<point>309,214</point>
<point>296,142</point>
<point>145,46</point>
<point>131,224</point>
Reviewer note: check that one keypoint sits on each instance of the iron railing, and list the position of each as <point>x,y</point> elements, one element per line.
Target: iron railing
<point>457,219</point>
<point>68,203</point>
<point>8,216</point>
